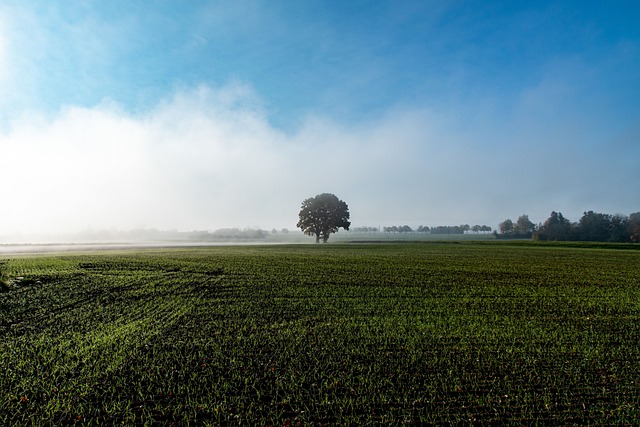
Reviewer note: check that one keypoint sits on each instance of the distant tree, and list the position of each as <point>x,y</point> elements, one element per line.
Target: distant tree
<point>523,226</point>
<point>285,231</point>
<point>619,229</point>
<point>365,229</point>
<point>405,229</point>
<point>475,228</point>
<point>322,215</point>
<point>237,234</point>
<point>633,227</point>
<point>594,227</point>
<point>506,226</point>
<point>485,229</point>
<point>556,227</point>
<point>447,229</point>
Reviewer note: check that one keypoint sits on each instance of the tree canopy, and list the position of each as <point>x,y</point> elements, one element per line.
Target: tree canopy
<point>322,215</point>
<point>593,227</point>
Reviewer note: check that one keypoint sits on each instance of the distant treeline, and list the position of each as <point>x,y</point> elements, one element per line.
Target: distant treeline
<point>592,227</point>
<point>152,234</point>
<point>441,229</point>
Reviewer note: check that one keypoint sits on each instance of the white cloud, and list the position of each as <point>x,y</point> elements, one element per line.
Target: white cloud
<point>202,159</point>
<point>208,158</point>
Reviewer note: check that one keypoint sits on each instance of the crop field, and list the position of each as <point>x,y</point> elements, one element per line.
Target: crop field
<point>343,334</point>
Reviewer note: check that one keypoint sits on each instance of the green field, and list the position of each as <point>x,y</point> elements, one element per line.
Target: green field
<point>353,334</point>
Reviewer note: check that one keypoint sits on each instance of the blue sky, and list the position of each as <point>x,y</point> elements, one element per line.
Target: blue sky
<point>209,114</point>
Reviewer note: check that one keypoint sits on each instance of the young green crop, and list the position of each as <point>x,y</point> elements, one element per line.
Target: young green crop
<point>4,286</point>
<point>317,335</point>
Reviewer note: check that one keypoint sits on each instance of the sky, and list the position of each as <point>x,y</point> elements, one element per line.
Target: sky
<point>199,115</point>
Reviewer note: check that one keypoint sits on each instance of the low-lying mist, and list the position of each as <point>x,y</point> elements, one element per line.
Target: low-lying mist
<point>207,159</point>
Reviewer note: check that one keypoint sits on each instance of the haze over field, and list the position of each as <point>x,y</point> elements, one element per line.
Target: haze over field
<point>209,114</point>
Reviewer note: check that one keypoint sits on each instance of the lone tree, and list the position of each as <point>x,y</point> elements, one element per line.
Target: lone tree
<point>322,215</point>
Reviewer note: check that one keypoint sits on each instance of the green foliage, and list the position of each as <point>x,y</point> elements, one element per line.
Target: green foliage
<point>592,227</point>
<point>4,286</point>
<point>429,333</point>
<point>323,215</point>
<point>634,227</point>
